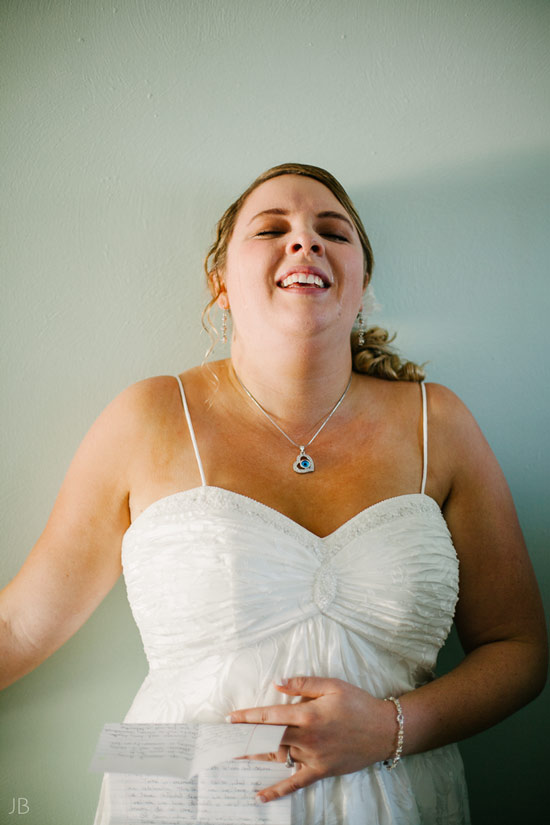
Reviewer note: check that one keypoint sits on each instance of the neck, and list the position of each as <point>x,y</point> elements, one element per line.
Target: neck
<point>296,385</point>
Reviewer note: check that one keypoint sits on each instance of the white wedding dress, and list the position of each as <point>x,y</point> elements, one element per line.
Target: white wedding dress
<point>229,594</point>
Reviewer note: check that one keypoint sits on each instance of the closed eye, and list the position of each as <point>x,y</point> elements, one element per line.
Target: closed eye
<point>266,232</point>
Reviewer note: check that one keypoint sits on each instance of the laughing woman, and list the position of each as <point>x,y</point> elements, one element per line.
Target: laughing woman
<point>293,521</point>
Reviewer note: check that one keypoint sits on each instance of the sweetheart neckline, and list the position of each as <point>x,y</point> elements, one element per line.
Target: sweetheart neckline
<point>277,514</point>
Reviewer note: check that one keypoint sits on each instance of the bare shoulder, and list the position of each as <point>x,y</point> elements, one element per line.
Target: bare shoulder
<point>108,453</point>
<point>447,411</point>
<point>451,425</point>
<point>455,437</point>
<point>147,404</point>
<point>139,401</point>
<point>159,392</point>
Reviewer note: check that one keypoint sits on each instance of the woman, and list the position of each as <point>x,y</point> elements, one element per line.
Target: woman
<point>286,541</point>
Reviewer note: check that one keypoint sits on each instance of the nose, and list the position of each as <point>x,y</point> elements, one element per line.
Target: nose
<point>307,242</point>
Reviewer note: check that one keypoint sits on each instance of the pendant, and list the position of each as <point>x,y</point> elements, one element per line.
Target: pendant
<point>304,462</point>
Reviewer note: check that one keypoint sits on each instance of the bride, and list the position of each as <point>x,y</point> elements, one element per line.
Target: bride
<point>292,523</point>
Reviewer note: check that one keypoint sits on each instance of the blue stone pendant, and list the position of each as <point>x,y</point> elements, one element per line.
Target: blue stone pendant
<point>304,463</point>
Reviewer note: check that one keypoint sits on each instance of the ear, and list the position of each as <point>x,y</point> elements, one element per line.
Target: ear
<point>222,300</point>
<point>217,289</point>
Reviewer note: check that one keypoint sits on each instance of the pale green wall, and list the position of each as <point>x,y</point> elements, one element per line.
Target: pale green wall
<point>126,128</point>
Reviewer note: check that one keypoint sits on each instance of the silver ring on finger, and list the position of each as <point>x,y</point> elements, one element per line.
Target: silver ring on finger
<point>290,763</point>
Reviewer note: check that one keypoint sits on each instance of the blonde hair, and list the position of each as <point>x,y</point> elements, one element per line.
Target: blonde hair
<point>375,356</point>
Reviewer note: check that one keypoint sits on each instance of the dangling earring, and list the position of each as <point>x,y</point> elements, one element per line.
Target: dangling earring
<point>224,326</point>
<point>362,328</point>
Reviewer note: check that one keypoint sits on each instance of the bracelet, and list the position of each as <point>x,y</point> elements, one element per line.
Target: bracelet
<point>390,764</point>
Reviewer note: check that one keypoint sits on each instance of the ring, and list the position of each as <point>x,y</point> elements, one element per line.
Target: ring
<point>289,760</point>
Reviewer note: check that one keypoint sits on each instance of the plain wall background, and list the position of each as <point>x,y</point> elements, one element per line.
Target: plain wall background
<point>126,128</point>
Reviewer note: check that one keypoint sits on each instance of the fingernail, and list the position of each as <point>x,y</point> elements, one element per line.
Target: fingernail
<point>260,800</point>
<point>228,718</point>
<point>281,681</point>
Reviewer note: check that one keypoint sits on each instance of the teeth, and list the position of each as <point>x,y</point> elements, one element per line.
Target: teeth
<point>302,278</point>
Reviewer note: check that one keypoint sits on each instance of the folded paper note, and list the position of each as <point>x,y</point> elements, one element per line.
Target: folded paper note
<point>179,749</point>
<point>188,774</point>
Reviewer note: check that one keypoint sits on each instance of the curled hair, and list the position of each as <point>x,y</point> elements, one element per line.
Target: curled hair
<point>376,356</point>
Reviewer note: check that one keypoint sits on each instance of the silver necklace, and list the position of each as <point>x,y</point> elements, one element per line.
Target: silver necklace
<point>304,462</point>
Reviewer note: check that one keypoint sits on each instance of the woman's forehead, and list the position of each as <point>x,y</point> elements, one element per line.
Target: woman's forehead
<point>290,193</point>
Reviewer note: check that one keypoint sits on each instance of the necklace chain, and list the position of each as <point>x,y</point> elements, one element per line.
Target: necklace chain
<point>304,463</point>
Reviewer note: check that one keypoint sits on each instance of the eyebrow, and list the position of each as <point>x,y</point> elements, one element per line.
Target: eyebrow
<point>327,214</point>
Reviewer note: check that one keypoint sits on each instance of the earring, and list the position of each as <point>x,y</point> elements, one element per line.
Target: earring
<point>362,328</point>
<point>224,326</point>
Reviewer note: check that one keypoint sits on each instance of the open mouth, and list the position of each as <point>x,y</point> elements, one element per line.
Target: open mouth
<point>303,279</point>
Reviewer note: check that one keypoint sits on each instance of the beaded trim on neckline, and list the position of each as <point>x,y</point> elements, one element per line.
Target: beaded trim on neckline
<point>372,516</point>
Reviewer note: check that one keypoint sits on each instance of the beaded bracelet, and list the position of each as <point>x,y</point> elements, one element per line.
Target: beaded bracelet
<point>401,723</point>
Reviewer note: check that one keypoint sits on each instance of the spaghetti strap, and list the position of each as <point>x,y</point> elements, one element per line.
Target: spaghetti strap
<point>424,438</point>
<point>191,430</point>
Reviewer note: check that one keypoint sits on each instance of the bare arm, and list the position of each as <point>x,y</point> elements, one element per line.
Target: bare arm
<point>499,618</point>
<point>76,560</point>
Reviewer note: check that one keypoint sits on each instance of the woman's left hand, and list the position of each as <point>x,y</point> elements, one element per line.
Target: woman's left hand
<point>337,728</point>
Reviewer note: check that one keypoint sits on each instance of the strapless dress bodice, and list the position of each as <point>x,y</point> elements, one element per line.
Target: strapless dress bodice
<point>229,594</point>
